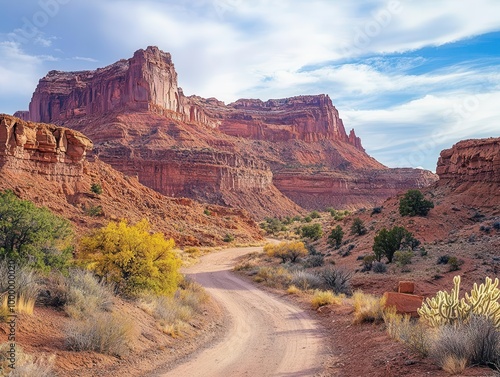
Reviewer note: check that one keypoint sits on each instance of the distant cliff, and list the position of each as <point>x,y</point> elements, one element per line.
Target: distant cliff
<point>238,154</point>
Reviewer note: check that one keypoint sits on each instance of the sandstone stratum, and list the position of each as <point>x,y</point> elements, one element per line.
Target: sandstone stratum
<point>270,158</point>
<point>50,166</point>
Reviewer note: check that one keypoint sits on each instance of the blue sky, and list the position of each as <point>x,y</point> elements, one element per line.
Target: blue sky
<point>412,77</point>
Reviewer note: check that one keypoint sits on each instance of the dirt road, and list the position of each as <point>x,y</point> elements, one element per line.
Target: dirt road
<point>266,336</point>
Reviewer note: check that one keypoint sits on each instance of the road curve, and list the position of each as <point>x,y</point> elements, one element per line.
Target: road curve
<point>266,336</point>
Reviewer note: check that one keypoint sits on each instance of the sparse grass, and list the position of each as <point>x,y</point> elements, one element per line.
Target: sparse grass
<point>107,333</point>
<point>410,332</point>
<point>86,295</point>
<point>367,308</point>
<point>305,280</point>
<point>275,277</point>
<point>293,290</point>
<point>175,313</point>
<point>322,298</point>
<point>453,365</point>
<point>27,289</point>
<point>26,365</point>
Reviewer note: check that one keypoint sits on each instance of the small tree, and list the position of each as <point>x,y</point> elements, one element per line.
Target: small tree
<point>314,231</point>
<point>414,204</point>
<point>133,258</point>
<point>387,242</point>
<point>33,236</point>
<point>335,237</point>
<point>358,227</point>
<point>286,251</point>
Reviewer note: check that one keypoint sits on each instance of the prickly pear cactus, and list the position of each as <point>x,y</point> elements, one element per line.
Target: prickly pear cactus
<point>448,308</point>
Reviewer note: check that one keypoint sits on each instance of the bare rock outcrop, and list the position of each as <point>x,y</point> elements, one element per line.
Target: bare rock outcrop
<point>37,148</point>
<point>238,154</point>
<point>470,171</point>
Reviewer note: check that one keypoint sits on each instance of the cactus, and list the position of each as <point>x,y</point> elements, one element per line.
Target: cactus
<point>448,308</point>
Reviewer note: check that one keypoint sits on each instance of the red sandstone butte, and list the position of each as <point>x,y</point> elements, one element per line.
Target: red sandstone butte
<point>268,157</point>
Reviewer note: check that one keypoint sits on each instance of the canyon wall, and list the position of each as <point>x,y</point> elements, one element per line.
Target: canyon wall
<point>55,152</point>
<point>238,154</point>
<point>470,172</point>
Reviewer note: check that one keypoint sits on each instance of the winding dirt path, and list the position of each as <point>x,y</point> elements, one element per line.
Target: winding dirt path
<point>266,336</point>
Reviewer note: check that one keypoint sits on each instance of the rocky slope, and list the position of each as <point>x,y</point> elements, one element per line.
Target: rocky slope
<point>471,170</point>
<point>245,154</point>
<point>47,165</point>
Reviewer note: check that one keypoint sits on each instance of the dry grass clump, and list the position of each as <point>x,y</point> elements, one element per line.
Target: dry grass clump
<point>405,330</point>
<point>108,333</point>
<point>476,342</point>
<point>175,313</point>
<point>250,262</point>
<point>305,280</point>
<point>293,290</point>
<point>26,365</point>
<point>26,287</point>
<point>275,277</point>
<point>86,295</point>
<point>322,298</point>
<point>453,365</point>
<point>367,308</point>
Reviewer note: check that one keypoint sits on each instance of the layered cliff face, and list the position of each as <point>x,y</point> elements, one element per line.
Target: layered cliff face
<point>238,154</point>
<point>471,170</point>
<point>55,152</point>
<point>47,164</point>
<point>351,190</point>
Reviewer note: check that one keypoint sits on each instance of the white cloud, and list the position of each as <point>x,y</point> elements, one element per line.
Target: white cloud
<point>82,58</point>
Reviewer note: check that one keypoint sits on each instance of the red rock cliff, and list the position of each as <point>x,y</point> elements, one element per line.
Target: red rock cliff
<point>470,170</point>
<point>56,152</point>
<point>143,125</point>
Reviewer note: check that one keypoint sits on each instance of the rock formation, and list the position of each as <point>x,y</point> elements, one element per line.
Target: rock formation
<point>37,148</point>
<point>471,170</point>
<point>238,154</point>
<point>471,161</point>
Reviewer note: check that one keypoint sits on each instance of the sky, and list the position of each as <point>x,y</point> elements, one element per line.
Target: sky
<point>412,77</point>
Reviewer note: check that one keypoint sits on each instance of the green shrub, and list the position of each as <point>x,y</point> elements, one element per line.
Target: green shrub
<point>314,215</point>
<point>207,212</point>
<point>402,258</point>
<point>313,231</point>
<point>33,236</point>
<point>96,188</point>
<point>94,211</point>
<point>228,238</point>
<point>358,227</point>
<point>368,262</point>
<point>414,204</point>
<point>335,237</point>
